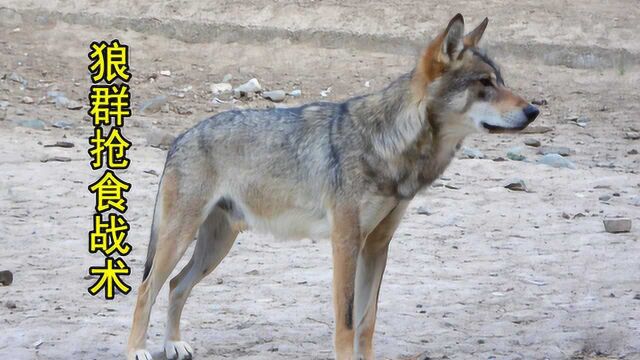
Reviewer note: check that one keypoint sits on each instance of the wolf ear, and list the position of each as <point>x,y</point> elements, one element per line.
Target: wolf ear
<point>452,39</point>
<point>473,38</point>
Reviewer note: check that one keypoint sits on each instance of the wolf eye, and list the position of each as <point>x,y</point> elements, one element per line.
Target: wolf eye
<point>486,82</point>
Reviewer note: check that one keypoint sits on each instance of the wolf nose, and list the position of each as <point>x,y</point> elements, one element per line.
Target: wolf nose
<point>531,112</point>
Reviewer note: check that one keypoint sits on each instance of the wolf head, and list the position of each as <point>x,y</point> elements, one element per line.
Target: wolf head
<point>460,83</point>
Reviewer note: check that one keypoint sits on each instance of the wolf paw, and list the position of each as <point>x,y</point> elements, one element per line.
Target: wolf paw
<point>178,350</point>
<point>139,355</point>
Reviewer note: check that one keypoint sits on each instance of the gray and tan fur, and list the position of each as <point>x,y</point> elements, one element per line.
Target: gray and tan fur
<point>344,171</point>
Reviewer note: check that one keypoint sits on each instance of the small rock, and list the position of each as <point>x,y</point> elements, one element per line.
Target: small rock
<point>252,272</point>
<point>165,72</point>
<point>515,154</point>
<point>632,152</point>
<point>604,197</point>
<point>295,93</point>
<point>221,88</point>
<point>556,161</point>
<point>566,216</point>
<point>15,77</point>
<point>37,343</point>
<point>325,93</point>
<point>471,153</point>
<point>619,225</point>
<point>532,142</point>
<point>499,159</point>
<point>61,124</point>
<point>6,277</point>
<point>159,138</point>
<point>74,105</point>
<point>632,135</point>
<point>62,144</point>
<point>560,150</point>
<point>536,129</point>
<point>247,88</point>
<point>274,95</point>
<point>539,102</point>
<point>227,78</point>
<point>517,185</point>
<point>636,297</point>
<point>32,124</point>
<point>20,112</point>
<point>10,304</point>
<point>152,106</point>
<point>27,100</point>
<point>219,281</point>
<point>423,211</point>
<point>56,159</point>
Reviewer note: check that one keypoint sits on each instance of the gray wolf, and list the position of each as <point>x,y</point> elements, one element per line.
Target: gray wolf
<point>344,171</point>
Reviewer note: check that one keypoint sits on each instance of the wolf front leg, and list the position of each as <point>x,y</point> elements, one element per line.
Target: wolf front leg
<point>371,264</point>
<point>346,240</point>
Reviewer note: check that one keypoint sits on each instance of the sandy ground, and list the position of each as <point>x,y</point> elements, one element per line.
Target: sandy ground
<point>489,274</point>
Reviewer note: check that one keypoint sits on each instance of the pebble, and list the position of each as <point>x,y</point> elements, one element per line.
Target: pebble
<point>247,88</point>
<point>604,197</point>
<point>221,88</point>
<point>14,76</point>
<point>56,159</point>
<point>32,124</point>
<point>560,150</point>
<point>6,277</point>
<point>74,105</point>
<point>536,129</point>
<point>532,142</point>
<point>632,152</point>
<point>424,211</point>
<point>556,161</point>
<point>61,124</point>
<point>515,154</point>
<point>471,153</point>
<point>165,72</point>
<point>517,185</point>
<point>539,102</point>
<point>27,100</point>
<point>632,135</point>
<point>325,93</point>
<point>274,95</point>
<point>159,138</point>
<point>296,93</point>
<point>10,305</point>
<point>62,144</point>
<point>152,106</point>
<point>619,225</point>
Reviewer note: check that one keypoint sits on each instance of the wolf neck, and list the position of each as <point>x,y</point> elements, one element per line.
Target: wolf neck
<point>409,146</point>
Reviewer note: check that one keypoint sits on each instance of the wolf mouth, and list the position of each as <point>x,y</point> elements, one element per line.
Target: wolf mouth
<point>494,129</point>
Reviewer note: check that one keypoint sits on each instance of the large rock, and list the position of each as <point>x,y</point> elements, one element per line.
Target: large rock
<point>619,225</point>
<point>248,88</point>
<point>556,161</point>
<point>275,95</point>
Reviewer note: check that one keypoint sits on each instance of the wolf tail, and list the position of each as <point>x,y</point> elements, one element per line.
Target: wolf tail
<point>153,240</point>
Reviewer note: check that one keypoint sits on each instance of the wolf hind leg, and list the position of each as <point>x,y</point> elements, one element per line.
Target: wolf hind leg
<point>176,220</point>
<point>215,238</point>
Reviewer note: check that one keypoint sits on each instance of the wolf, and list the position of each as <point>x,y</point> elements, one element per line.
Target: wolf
<point>345,171</point>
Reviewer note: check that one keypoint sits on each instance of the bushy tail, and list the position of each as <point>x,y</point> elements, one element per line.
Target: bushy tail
<point>151,249</point>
